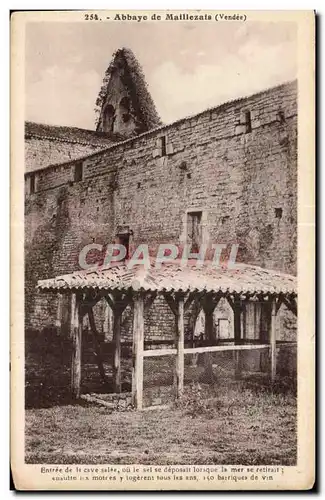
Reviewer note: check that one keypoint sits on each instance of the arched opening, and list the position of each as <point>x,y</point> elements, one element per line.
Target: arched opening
<point>125,109</point>
<point>109,118</point>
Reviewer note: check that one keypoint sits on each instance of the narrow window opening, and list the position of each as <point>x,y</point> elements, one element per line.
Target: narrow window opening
<point>32,184</point>
<point>78,172</point>
<point>109,118</point>
<point>278,213</point>
<point>163,145</point>
<point>125,109</point>
<point>194,231</point>
<point>124,239</point>
<point>248,121</point>
<point>125,103</point>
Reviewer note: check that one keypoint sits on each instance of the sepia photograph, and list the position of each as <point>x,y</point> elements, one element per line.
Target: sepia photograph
<point>160,247</point>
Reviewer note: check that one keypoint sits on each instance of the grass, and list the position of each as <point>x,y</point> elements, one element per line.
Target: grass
<point>230,422</point>
<point>238,426</point>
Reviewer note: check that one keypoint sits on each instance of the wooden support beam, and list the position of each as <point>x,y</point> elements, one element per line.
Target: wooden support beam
<point>176,305</point>
<point>196,311</point>
<point>278,303</point>
<point>189,300</point>
<point>108,321</point>
<point>291,304</point>
<point>214,348</point>
<point>91,300</point>
<point>221,348</point>
<point>138,345</point>
<point>72,314</point>
<point>124,302</point>
<point>110,300</point>
<point>273,341</point>
<point>237,308</point>
<point>210,302</point>
<point>58,321</point>
<point>99,357</point>
<point>179,341</point>
<point>76,347</point>
<point>265,322</point>
<point>148,353</point>
<point>209,330</point>
<point>117,351</point>
<point>171,302</point>
<point>117,301</point>
<point>230,302</point>
<point>237,324</point>
<point>235,302</point>
<point>208,370</point>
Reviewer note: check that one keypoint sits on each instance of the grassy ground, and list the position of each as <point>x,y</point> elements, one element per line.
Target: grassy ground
<point>237,426</point>
<point>230,422</point>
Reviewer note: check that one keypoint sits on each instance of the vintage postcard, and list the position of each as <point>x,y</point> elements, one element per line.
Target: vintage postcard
<point>162,250</point>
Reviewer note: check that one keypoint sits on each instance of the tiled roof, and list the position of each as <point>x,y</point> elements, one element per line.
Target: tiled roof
<point>67,134</point>
<point>172,277</point>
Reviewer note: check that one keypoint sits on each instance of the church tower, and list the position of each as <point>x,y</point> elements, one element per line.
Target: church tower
<point>124,105</point>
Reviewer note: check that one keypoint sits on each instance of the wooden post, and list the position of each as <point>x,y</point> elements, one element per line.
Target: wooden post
<point>76,348</point>
<point>107,323</point>
<point>99,357</point>
<point>72,313</point>
<point>264,336</point>
<point>138,344</point>
<point>273,341</point>
<point>209,326</point>
<point>179,369</point>
<point>237,335</point>
<point>58,321</point>
<point>208,370</point>
<point>117,350</point>
<point>194,317</point>
<point>117,304</point>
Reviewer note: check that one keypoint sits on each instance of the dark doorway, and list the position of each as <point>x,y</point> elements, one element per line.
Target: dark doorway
<point>124,239</point>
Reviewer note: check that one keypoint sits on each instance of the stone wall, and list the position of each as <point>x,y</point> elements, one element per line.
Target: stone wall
<point>41,152</point>
<point>238,169</point>
<point>59,222</point>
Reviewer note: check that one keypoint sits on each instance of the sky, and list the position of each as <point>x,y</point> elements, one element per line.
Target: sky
<point>188,67</point>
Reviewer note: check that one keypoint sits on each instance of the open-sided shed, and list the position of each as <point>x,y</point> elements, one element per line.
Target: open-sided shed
<point>180,285</point>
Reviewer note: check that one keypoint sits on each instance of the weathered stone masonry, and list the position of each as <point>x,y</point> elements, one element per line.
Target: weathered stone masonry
<point>47,145</point>
<point>237,164</point>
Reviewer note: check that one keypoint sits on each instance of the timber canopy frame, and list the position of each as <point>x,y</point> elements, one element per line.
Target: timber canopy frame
<point>180,285</point>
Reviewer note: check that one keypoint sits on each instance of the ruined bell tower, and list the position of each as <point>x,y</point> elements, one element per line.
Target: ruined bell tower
<point>124,105</point>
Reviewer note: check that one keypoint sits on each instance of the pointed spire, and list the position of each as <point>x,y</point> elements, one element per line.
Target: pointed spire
<point>124,104</point>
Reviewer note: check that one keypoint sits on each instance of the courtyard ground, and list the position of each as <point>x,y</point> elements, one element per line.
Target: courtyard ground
<point>227,422</point>
<point>239,427</point>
